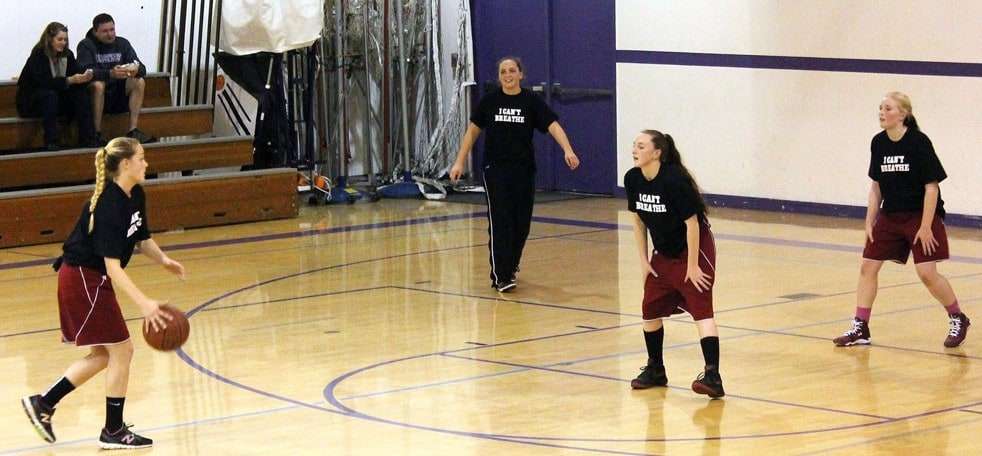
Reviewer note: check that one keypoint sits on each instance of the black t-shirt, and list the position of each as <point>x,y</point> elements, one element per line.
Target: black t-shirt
<point>509,121</point>
<point>664,204</point>
<point>902,168</point>
<point>120,222</point>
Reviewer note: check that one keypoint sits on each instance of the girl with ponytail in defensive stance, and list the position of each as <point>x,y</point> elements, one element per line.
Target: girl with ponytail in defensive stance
<point>904,215</point>
<point>678,277</point>
<point>111,225</point>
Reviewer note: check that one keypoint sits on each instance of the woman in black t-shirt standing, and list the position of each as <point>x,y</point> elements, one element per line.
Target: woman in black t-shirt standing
<point>509,114</point>
<point>112,223</point>
<point>906,172</point>
<point>678,277</point>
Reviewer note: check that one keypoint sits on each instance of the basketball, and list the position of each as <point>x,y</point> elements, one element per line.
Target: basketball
<point>172,337</point>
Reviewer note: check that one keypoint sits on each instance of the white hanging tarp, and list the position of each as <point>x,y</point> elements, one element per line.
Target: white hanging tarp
<point>250,26</point>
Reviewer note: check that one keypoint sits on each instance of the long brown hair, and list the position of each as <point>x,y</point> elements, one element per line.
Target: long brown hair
<point>107,161</point>
<point>670,156</point>
<point>48,35</point>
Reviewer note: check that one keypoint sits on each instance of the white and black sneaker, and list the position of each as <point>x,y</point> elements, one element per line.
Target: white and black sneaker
<point>957,329</point>
<point>857,335</point>
<point>504,287</point>
<point>123,439</point>
<point>40,415</point>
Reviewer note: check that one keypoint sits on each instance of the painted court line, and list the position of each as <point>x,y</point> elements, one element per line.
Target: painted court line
<point>917,432</point>
<point>297,298</point>
<point>873,345</point>
<point>430,385</point>
<point>836,294</point>
<point>780,331</point>
<point>471,215</point>
<point>504,343</point>
<point>388,224</point>
<point>191,362</point>
<point>329,395</point>
<point>291,323</point>
<point>47,261</point>
<point>628,381</point>
<point>328,392</point>
<point>517,301</point>
<point>561,363</point>
<point>283,235</point>
<point>94,441</point>
<point>512,371</point>
<point>500,437</point>
<point>747,333</point>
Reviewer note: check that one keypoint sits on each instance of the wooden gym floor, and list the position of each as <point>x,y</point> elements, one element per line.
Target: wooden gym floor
<point>372,329</point>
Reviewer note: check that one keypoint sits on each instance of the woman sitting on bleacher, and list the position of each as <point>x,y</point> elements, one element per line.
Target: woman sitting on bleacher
<point>51,85</point>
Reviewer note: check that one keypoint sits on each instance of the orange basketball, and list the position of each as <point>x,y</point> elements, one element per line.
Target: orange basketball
<point>172,337</point>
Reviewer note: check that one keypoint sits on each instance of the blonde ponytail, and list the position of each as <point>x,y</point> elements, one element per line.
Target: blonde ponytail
<point>100,184</point>
<point>107,161</point>
<point>904,101</point>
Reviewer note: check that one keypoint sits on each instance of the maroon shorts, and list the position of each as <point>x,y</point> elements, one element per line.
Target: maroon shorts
<point>87,305</point>
<point>669,293</point>
<point>893,239</point>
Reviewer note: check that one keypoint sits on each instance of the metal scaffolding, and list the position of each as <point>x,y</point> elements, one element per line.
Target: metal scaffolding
<point>381,98</point>
<point>386,110</point>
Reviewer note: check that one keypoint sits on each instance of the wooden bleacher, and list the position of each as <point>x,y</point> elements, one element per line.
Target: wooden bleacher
<point>43,216</point>
<point>156,95</point>
<point>75,166</point>
<point>48,214</point>
<point>21,133</point>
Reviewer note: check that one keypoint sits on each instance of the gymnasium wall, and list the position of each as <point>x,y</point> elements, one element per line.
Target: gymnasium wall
<point>778,100</point>
<point>137,21</point>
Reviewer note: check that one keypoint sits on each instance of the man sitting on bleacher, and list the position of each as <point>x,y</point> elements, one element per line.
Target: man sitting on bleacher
<point>118,84</point>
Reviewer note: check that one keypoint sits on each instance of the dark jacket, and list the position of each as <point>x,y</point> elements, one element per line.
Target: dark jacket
<point>37,75</point>
<point>101,57</point>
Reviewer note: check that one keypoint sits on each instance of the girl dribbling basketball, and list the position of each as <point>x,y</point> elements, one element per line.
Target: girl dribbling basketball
<point>111,225</point>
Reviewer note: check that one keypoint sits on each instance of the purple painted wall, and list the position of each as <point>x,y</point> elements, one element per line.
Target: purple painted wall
<point>583,56</point>
<point>570,42</point>
<point>507,27</point>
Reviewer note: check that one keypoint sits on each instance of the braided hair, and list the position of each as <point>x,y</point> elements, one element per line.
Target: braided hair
<point>107,161</point>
